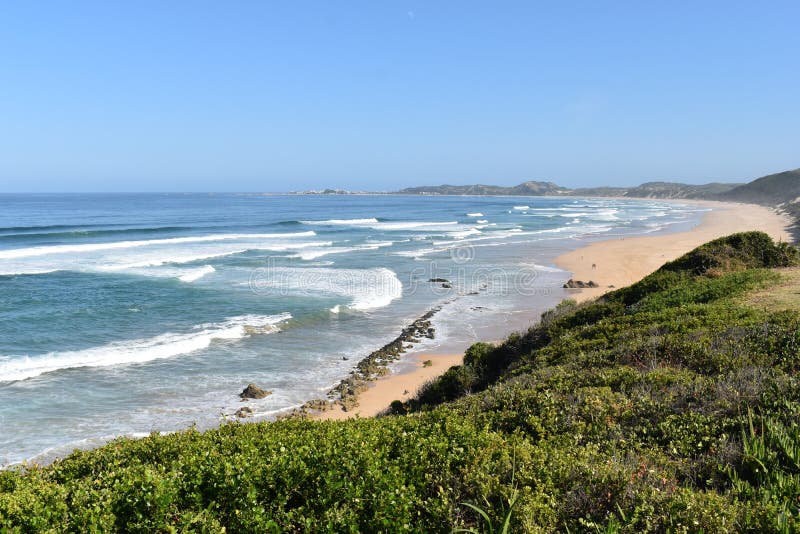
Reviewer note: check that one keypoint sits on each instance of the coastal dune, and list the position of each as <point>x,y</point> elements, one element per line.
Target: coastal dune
<point>611,263</point>
<point>621,262</point>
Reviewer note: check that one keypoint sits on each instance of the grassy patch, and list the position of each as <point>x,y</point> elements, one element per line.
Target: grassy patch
<point>783,295</point>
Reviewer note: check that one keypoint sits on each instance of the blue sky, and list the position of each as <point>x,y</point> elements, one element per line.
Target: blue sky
<point>273,96</point>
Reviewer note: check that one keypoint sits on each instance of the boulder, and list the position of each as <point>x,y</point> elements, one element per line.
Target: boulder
<point>579,284</point>
<point>252,391</point>
<point>439,280</point>
<point>243,412</point>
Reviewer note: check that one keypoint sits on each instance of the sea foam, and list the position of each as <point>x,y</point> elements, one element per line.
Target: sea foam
<point>365,289</point>
<point>196,274</point>
<point>165,345</point>
<point>92,247</point>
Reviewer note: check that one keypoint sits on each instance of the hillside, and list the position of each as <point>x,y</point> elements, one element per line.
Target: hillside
<point>781,190</point>
<point>530,188</point>
<point>659,190</point>
<point>647,190</point>
<point>667,406</point>
<point>775,189</point>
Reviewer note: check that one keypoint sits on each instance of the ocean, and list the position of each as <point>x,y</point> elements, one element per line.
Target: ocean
<point>125,314</point>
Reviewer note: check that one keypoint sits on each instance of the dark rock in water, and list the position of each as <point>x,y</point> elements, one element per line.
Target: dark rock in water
<point>345,358</point>
<point>439,280</point>
<point>472,293</point>
<point>611,286</point>
<point>446,285</point>
<point>252,391</point>
<point>244,411</point>
<point>579,284</point>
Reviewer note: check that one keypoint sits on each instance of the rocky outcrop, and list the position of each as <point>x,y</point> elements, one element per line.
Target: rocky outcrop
<point>579,284</point>
<point>346,393</point>
<point>252,391</point>
<point>243,412</point>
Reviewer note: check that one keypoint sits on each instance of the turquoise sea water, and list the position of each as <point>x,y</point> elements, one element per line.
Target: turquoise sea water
<point>126,314</point>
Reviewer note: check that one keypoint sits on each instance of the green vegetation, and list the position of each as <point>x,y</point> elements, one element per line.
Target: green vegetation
<point>667,406</point>
<point>774,189</point>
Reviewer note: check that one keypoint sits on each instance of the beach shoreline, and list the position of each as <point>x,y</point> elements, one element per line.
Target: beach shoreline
<point>610,263</point>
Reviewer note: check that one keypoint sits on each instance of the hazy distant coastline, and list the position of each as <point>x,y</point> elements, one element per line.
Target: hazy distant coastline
<point>780,191</point>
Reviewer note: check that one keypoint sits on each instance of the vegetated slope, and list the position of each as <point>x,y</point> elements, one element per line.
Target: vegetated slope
<point>780,190</point>
<point>669,405</point>
<point>658,190</point>
<point>775,189</point>
<point>530,188</point>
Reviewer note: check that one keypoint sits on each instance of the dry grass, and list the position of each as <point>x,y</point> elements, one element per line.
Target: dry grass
<point>785,295</point>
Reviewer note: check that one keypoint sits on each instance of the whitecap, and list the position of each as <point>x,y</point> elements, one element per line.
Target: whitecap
<point>343,222</point>
<point>162,346</point>
<point>367,288</point>
<point>196,274</point>
<point>115,245</point>
<point>314,254</point>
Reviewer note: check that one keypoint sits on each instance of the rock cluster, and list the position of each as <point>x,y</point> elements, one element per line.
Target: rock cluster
<point>373,366</point>
<point>579,284</point>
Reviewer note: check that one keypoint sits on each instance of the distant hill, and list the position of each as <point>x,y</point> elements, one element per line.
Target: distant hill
<point>530,188</point>
<point>659,190</point>
<point>776,189</point>
<point>781,190</point>
<point>533,188</point>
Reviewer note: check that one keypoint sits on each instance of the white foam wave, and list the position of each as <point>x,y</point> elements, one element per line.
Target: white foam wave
<point>115,245</point>
<point>197,274</point>
<point>482,221</point>
<point>375,224</point>
<point>465,233</point>
<point>544,268</point>
<point>414,225</point>
<point>474,214</point>
<point>367,288</point>
<point>314,254</point>
<point>520,208</point>
<point>344,222</point>
<point>149,261</point>
<point>140,350</point>
<point>22,270</point>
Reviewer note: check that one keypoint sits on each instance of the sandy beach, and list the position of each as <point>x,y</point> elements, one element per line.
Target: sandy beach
<point>400,386</point>
<point>613,262</point>
<point>621,262</point>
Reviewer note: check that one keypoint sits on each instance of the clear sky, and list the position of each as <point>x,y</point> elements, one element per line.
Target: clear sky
<point>272,96</point>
